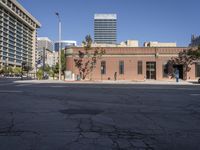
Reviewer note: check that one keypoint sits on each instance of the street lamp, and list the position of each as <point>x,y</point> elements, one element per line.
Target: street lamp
<point>59,31</point>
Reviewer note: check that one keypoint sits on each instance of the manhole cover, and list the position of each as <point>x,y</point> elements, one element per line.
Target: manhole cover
<point>81,111</point>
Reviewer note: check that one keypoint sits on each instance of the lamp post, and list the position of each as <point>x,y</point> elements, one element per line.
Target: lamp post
<point>43,60</point>
<point>59,32</point>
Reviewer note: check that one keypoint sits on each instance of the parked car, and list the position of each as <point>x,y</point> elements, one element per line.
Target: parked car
<point>199,80</point>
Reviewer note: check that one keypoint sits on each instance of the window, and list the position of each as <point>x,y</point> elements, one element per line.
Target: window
<point>11,55</point>
<point>165,70</point>
<point>121,67</point>
<point>197,68</point>
<point>139,67</point>
<point>18,61</point>
<point>103,67</point>
<point>9,3</point>
<point>11,59</point>
<point>5,53</point>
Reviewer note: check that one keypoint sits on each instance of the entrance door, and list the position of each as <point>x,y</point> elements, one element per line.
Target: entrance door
<point>180,69</point>
<point>151,70</point>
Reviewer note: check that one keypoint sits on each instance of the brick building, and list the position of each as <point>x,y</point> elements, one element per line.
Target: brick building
<point>134,64</point>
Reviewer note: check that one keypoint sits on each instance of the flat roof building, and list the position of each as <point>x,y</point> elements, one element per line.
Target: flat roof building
<point>64,44</point>
<point>44,42</point>
<point>105,28</point>
<point>127,43</point>
<point>133,64</point>
<point>17,34</point>
<point>159,44</point>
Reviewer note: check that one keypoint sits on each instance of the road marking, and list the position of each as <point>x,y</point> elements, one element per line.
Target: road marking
<point>105,87</point>
<point>6,84</point>
<point>58,86</point>
<point>195,94</point>
<point>6,91</point>
<point>24,84</point>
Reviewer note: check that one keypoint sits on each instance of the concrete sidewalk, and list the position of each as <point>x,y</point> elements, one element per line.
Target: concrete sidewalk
<point>149,82</point>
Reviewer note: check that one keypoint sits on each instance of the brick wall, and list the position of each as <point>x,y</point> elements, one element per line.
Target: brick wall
<point>130,56</point>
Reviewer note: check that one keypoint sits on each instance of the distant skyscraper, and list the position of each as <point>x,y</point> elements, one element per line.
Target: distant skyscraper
<point>195,41</point>
<point>64,44</point>
<point>105,28</point>
<point>44,42</point>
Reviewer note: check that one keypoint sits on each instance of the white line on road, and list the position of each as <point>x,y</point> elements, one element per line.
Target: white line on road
<point>6,84</point>
<point>111,87</point>
<point>6,91</point>
<point>24,84</point>
<point>195,94</point>
<point>58,86</point>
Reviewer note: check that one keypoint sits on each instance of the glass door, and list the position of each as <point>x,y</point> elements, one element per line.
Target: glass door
<point>151,70</point>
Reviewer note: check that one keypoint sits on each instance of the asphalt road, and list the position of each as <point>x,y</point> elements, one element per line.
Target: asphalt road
<point>99,117</point>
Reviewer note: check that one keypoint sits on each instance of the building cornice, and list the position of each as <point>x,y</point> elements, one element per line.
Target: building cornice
<point>26,12</point>
<point>23,10</point>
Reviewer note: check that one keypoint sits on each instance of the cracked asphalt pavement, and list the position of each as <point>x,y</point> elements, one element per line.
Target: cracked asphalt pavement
<point>99,117</point>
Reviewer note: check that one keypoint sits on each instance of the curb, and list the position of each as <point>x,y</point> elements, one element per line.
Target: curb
<point>109,82</point>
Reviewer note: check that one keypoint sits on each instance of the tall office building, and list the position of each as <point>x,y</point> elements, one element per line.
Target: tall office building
<point>105,28</point>
<point>195,41</point>
<point>44,42</point>
<point>17,34</point>
<point>64,44</point>
<point>45,57</point>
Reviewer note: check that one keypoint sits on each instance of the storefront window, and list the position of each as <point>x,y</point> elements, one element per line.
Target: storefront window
<point>103,67</point>
<point>165,70</point>
<point>139,67</point>
<point>121,67</point>
<point>197,68</point>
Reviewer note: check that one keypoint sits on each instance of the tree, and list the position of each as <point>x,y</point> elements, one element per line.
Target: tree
<point>47,68</point>
<point>1,71</point>
<point>195,53</point>
<point>63,61</point>
<point>17,70</point>
<point>185,58</point>
<point>26,67</point>
<point>87,59</point>
<point>10,70</point>
<point>40,74</point>
<point>55,68</point>
<point>5,70</point>
<point>51,73</point>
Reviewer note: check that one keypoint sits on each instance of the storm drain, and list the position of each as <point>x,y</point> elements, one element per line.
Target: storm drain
<point>81,111</point>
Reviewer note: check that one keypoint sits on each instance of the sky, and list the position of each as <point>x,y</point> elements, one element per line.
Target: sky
<point>143,20</point>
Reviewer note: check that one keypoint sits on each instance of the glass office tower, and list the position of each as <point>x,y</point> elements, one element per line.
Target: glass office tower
<point>105,27</point>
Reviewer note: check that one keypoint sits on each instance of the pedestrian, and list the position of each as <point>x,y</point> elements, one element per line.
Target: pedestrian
<point>115,76</point>
<point>177,75</point>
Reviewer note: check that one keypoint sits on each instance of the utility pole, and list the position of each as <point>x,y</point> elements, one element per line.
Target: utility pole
<point>43,60</point>
<point>59,31</point>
